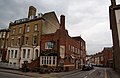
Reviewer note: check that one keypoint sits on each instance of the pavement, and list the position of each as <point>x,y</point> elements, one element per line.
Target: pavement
<point>36,74</point>
<point>112,74</point>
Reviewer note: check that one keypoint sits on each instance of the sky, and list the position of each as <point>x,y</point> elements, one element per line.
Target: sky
<point>86,18</point>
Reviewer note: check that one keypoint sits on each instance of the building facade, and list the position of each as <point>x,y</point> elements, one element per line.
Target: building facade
<point>114,12</point>
<point>3,44</point>
<point>59,49</point>
<point>25,35</point>
<point>103,58</point>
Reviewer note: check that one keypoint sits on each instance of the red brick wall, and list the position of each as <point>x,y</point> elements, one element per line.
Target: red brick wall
<point>66,40</point>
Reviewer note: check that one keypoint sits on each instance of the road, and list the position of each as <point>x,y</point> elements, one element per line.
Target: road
<point>95,73</point>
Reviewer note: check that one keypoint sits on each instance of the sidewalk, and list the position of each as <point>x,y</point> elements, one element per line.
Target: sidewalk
<point>36,74</point>
<point>112,74</point>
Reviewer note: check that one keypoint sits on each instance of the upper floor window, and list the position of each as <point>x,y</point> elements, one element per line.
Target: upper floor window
<point>18,41</point>
<point>36,27</point>
<point>0,34</point>
<point>13,31</point>
<point>26,40</point>
<point>4,33</point>
<point>20,29</point>
<point>12,42</point>
<point>28,29</point>
<point>49,45</point>
<point>34,40</point>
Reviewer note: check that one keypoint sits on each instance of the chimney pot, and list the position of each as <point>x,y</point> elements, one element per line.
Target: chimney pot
<point>32,11</point>
<point>62,22</point>
<point>113,2</point>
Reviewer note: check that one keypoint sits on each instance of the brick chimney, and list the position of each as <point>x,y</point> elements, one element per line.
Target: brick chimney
<point>62,22</point>
<point>113,2</point>
<point>32,11</point>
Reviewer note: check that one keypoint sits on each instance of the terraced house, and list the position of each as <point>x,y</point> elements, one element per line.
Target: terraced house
<point>3,44</point>
<point>42,40</point>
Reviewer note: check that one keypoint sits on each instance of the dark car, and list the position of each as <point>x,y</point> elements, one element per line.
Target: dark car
<point>87,67</point>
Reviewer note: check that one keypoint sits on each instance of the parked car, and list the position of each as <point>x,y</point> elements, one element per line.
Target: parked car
<point>87,67</point>
<point>91,66</point>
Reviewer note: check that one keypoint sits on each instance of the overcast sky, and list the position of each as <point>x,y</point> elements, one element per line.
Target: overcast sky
<point>88,18</point>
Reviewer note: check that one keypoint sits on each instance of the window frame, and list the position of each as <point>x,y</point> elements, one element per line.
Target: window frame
<point>36,27</point>
<point>49,45</point>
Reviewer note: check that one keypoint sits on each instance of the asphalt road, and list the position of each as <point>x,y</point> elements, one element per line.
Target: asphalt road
<point>95,73</point>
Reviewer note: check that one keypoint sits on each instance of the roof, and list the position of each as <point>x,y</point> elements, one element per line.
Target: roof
<point>4,30</point>
<point>78,38</point>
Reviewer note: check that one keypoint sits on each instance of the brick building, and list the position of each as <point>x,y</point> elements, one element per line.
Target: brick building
<point>63,49</point>
<point>42,40</point>
<point>25,35</point>
<point>3,44</point>
<point>114,12</point>
<point>108,57</point>
<point>103,58</point>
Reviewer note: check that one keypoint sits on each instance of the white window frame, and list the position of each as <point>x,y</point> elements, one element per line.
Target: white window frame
<point>49,45</point>
<point>36,27</point>
<point>28,29</point>
<point>20,29</point>
<point>13,31</point>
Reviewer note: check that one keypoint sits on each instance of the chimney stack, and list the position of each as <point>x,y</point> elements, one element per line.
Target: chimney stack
<point>113,2</point>
<point>62,22</point>
<point>32,11</point>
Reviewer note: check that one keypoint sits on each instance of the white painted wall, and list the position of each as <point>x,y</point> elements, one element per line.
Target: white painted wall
<point>62,51</point>
<point>117,12</point>
<point>20,60</point>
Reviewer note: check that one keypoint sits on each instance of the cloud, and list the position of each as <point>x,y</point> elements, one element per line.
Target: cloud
<point>88,18</point>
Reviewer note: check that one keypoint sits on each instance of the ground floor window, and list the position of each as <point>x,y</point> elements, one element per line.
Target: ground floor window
<point>48,60</point>
<point>24,53</point>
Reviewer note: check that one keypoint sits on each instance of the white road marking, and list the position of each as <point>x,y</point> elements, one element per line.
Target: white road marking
<point>92,72</point>
<point>85,77</point>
